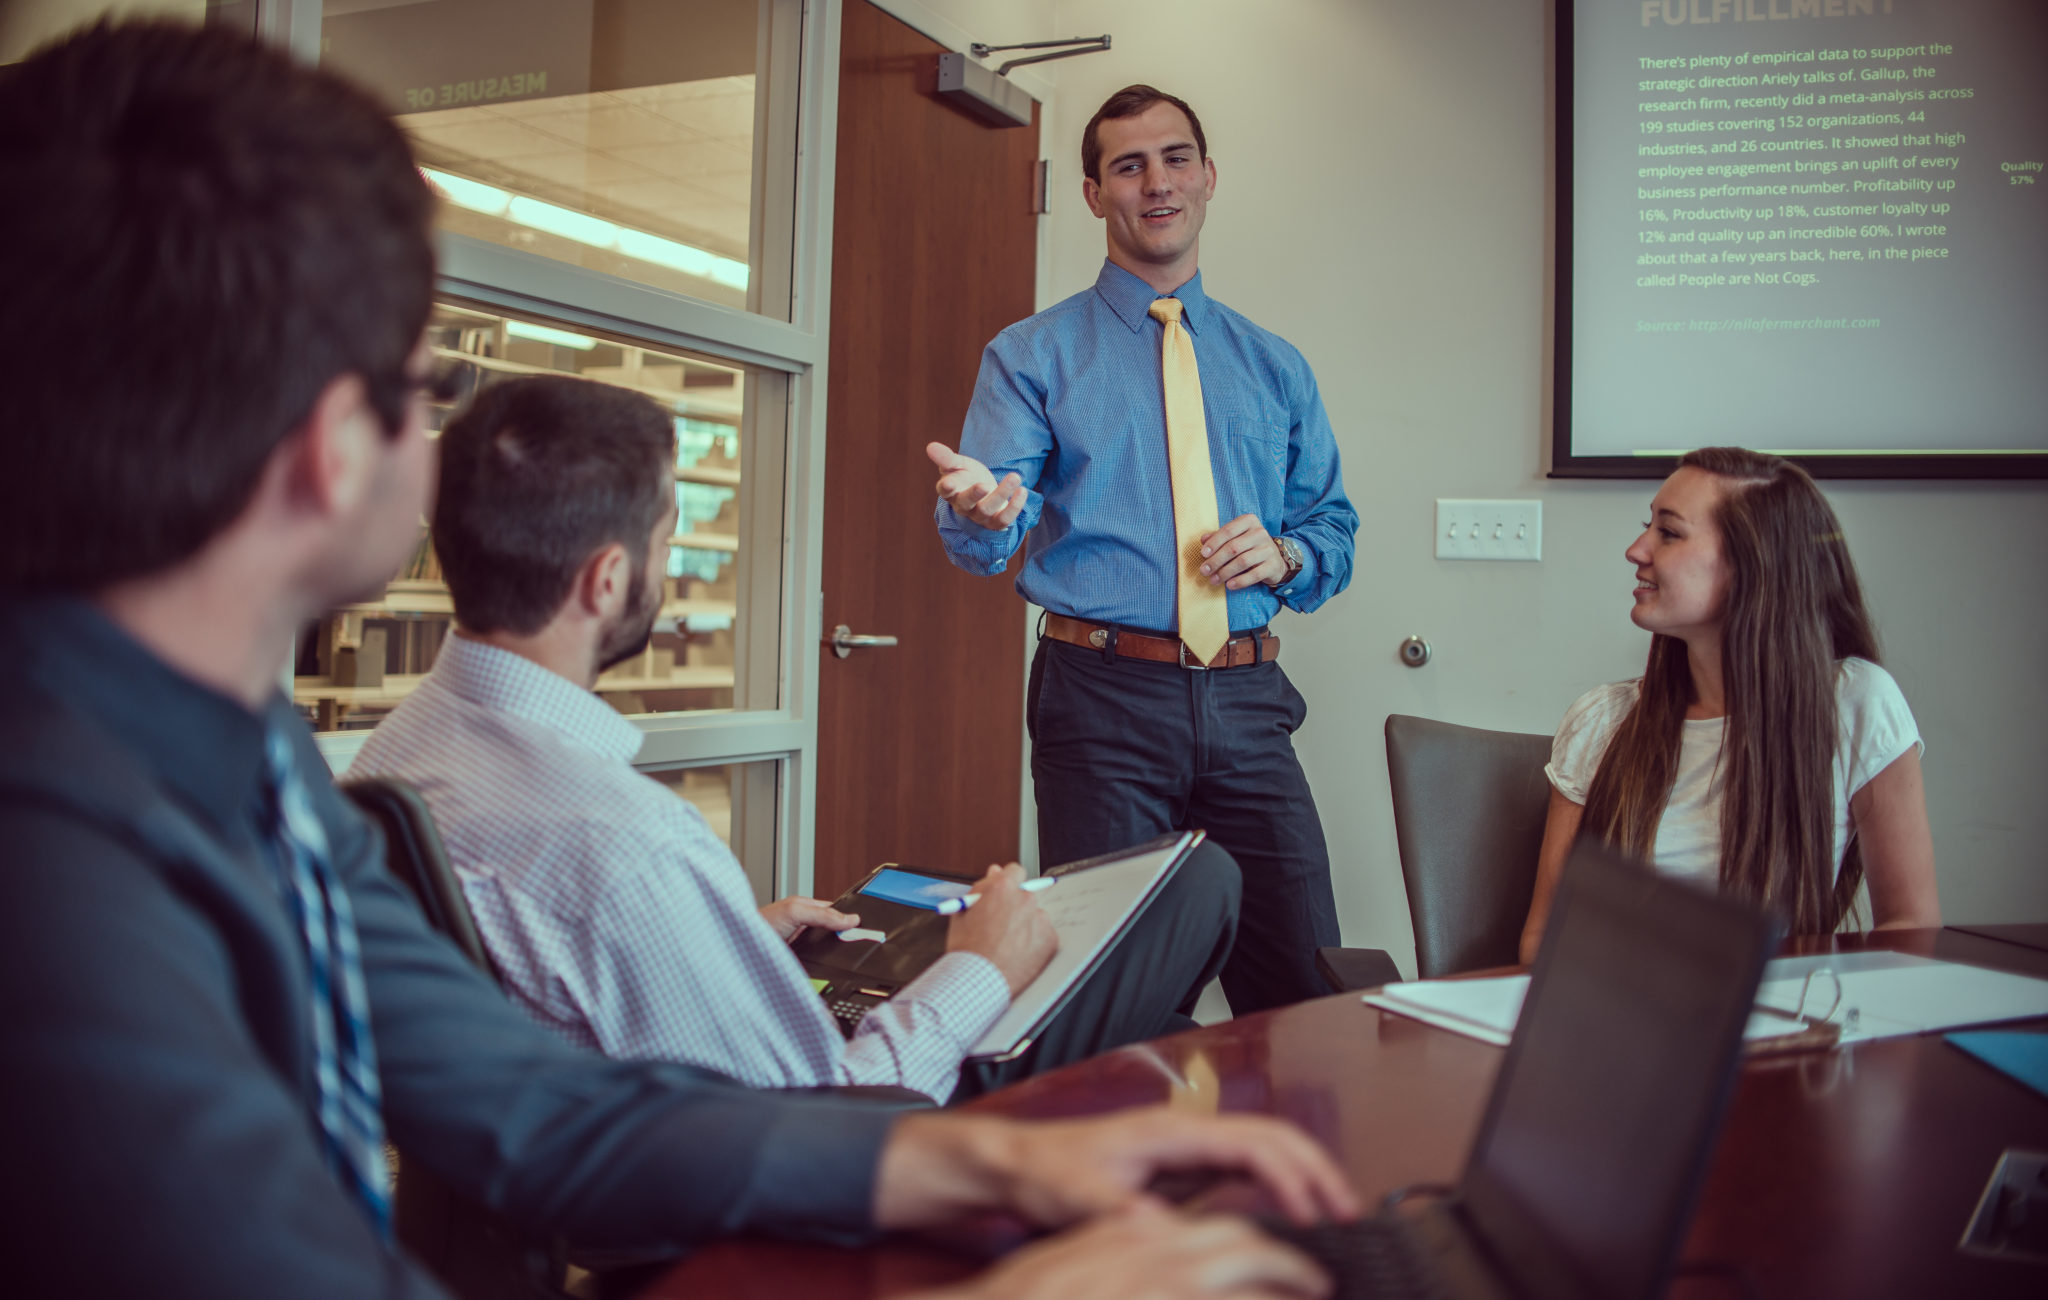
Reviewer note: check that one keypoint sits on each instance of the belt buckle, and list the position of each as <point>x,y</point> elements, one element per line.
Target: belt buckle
<point>1181,649</point>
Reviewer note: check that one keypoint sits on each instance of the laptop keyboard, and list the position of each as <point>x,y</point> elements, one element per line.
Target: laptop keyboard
<point>1372,1259</point>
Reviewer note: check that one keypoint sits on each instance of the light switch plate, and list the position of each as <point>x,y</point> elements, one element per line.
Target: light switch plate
<point>1488,530</point>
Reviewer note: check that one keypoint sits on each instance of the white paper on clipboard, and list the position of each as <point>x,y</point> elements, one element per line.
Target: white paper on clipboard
<point>1094,903</point>
<point>1893,994</point>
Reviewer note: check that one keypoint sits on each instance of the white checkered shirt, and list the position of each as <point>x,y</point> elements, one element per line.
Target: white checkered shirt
<point>618,919</point>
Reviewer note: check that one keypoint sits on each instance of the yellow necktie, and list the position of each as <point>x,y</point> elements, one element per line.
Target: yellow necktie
<point>1204,609</point>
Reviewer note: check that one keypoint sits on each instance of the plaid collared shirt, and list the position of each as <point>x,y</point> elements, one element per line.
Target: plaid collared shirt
<point>617,917</point>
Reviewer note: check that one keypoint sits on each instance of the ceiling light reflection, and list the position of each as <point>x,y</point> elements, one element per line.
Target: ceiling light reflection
<point>586,229</point>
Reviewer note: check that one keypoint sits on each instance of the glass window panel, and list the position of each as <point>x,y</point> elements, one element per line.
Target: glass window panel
<point>741,802</point>
<point>625,137</point>
<point>357,664</point>
<point>27,24</point>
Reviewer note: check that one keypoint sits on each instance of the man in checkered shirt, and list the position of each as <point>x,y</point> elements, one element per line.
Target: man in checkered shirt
<point>615,915</point>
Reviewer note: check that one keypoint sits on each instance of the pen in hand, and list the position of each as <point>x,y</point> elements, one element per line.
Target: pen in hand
<point>965,901</point>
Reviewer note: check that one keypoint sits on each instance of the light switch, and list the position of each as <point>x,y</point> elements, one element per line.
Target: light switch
<point>1488,530</point>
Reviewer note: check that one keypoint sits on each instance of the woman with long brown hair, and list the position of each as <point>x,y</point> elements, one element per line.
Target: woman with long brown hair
<point>1763,747</point>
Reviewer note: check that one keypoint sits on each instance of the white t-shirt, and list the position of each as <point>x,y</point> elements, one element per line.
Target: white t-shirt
<point>1876,729</point>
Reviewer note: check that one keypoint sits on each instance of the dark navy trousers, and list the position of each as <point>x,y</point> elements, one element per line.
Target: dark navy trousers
<point>1123,749</point>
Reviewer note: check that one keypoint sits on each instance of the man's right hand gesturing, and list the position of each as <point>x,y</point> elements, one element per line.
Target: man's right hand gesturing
<point>967,485</point>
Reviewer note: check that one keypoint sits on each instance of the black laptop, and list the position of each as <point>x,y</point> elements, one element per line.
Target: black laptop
<point>1589,1160</point>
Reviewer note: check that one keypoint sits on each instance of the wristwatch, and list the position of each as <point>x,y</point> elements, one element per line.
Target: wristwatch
<point>1290,551</point>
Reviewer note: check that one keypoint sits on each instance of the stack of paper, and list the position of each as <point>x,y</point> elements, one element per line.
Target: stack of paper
<point>1482,1009</point>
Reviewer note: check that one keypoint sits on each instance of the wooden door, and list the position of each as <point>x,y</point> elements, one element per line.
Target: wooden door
<point>933,253</point>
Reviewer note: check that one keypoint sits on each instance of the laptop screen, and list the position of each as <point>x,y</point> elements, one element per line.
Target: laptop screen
<point>1595,1141</point>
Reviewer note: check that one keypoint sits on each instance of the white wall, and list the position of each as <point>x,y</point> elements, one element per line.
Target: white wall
<point>1382,203</point>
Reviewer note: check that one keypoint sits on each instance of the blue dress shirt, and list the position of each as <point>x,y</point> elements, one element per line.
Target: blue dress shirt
<point>1071,400</point>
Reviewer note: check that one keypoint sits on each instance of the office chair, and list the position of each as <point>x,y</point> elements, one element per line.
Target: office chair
<point>414,853</point>
<point>1469,807</point>
<point>473,1251</point>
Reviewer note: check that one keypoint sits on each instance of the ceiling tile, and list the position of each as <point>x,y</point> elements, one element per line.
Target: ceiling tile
<point>655,196</point>
<point>583,170</point>
<point>729,186</point>
<point>611,126</point>
<point>486,137</point>
<point>440,117</point>
<point>728,117</point>
<point>684,91</point>
<point>727,222</point>
<point>690,162</point>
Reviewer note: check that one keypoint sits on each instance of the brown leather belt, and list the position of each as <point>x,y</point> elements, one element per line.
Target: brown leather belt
<point>1238,652</point>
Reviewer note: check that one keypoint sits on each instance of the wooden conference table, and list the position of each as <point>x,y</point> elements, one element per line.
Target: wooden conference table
<point>1847,1173</point>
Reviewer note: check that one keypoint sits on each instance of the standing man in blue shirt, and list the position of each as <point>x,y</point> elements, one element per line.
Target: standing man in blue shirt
<point>1118,429</point>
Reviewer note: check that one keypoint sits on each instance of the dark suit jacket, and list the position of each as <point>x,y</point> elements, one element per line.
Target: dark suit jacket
<point>157,1132</point>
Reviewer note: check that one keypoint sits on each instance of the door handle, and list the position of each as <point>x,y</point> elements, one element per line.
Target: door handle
<point>844,641</point>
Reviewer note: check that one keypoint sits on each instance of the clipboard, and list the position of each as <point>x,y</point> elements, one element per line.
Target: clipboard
<point>1488,1008</point>
<point>1810,1003</point>
<point>1097,903</point>
<point>1810,1032</point>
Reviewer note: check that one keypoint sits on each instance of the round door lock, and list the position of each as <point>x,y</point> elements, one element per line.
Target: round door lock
<point>1415,652</point>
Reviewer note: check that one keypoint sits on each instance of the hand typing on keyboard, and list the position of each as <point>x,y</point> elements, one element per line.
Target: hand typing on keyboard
<point>1371,1259</point>
<point>1091,1176</point>
<point>1149,1252</point>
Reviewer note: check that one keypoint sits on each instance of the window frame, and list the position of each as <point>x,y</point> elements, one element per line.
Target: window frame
<point>799,101</point>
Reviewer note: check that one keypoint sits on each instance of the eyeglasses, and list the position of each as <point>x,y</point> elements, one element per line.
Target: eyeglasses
<point>443,384</point>
<point>445,381</point>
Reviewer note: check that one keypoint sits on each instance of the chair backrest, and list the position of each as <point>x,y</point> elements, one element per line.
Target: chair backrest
<point>1469,807</point>
<point>474,1252</point>
<point>415,854</point>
